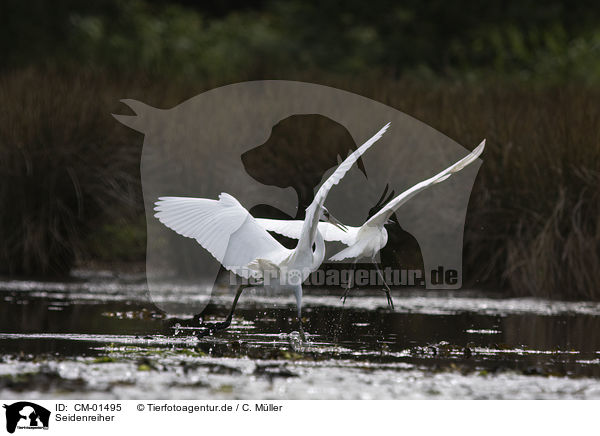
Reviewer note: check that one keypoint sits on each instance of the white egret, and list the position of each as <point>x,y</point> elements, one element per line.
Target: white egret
<point>368,239</point>
<point>233,237</point>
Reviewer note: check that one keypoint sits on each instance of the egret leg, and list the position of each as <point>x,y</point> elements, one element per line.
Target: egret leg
<point>347,290</point>
<point>215,326</point>
<point>387,288</point>
<point>301,328</point>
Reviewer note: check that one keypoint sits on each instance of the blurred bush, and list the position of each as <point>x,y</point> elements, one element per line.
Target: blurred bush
<point>180,39</point>
<point>65,164</point>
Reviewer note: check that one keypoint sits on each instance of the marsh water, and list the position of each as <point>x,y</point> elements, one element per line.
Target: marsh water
<point>100,336</point>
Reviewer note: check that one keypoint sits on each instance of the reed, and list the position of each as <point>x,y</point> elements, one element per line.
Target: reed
<point>64,165</point>
<point>533,225</point>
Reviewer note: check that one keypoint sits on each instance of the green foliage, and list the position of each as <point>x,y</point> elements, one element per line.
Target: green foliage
<point>123,240</point>
<point>174,41</point>
<point>559,41</point>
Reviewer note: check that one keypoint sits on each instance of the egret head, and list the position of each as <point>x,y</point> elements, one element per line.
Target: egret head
<point>327,217</point>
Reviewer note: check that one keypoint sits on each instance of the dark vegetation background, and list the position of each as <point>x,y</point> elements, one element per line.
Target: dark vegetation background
<point>523,74</point>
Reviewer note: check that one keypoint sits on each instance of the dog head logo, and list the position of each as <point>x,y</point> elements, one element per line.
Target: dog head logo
<point>26,415</point>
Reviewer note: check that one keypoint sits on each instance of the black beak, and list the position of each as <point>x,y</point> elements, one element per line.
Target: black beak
<point>331,219</point>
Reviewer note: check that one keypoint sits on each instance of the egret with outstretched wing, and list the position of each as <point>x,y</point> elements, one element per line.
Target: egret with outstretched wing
<point>368,239</point>
<point>235,238</point>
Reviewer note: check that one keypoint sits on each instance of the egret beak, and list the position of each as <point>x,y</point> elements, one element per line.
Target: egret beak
<point>331,219</point>
<point>391,221</point>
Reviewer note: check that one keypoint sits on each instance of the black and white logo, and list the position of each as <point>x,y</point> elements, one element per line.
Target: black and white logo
<point>26,415</point>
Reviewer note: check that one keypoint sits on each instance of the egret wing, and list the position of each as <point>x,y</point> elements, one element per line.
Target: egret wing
<point>288,228</point>
<point>312,212</point>
<point>381,217</point>
<point>223,227</point>
<point>343,168</point>
<point>352,252</point>
<point>293,229</point>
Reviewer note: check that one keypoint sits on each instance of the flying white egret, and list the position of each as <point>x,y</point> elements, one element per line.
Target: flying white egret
<point>368,239</point>
<point>233,237</point>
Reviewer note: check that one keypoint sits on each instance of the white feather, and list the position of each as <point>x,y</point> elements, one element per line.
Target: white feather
<point>371,236</point>
<point>293,229</point>
<point>223,227</point>
<point>381,217</point>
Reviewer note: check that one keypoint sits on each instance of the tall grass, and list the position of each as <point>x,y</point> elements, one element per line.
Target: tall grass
<point>533,225</point>
<point>64,164</point>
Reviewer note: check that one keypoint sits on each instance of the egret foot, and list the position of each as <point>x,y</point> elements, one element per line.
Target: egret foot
<point>212,327</point>
<point>343,297</point>
<point>389,298</point>
<point>301,329</point>
<point>350,281</point>
<point>387,288</point>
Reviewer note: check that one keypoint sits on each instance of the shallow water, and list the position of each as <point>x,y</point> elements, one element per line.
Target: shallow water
<point>100,337</point>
